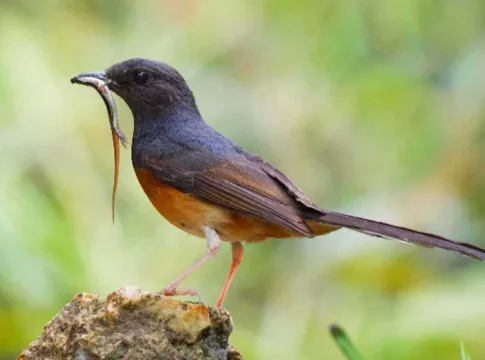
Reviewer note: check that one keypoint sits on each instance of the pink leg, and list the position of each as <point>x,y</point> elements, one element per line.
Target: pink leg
<point>237,255</point>
<point>213,246</point>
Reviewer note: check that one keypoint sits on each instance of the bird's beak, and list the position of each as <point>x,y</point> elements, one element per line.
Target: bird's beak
<point>92,78</point>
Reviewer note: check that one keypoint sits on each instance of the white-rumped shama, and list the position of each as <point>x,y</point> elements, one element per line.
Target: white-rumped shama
<point>208,186</point>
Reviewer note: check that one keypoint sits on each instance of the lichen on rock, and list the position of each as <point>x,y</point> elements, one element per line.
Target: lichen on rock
<point>131,324</point>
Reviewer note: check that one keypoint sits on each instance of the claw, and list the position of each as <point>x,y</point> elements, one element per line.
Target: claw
<point>170,291</point>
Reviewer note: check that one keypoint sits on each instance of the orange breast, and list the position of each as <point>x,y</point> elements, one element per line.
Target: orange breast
<point>180,209</point>
<point>190,214</point>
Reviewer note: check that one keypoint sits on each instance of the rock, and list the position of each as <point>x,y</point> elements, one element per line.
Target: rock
<point>131,324</point>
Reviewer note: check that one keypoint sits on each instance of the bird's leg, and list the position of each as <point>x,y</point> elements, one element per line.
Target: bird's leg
<point>237,255</point>
<point>213,246</point>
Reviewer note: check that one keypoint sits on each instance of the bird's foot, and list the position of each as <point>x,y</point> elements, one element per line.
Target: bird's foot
<point>173,291</point>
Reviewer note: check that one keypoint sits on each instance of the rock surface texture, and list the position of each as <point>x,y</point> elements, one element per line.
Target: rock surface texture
<point>131,324</point>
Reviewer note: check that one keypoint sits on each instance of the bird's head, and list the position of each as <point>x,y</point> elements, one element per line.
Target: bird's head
<point>147,86</point>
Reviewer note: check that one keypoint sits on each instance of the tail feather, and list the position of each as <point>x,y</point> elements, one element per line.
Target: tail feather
<point>380,229</point>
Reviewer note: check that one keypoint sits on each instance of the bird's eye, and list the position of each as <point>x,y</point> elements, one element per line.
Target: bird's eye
<point>140,77</point>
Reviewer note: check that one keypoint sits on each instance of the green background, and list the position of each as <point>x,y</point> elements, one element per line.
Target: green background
<point>375,108</point>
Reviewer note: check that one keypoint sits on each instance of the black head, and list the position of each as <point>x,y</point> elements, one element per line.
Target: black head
<point>148,86</point>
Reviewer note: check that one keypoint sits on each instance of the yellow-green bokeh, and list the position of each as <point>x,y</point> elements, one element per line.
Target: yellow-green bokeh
<point>373,107</point>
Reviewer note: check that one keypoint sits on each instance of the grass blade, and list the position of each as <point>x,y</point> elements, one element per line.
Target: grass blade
<point>464,354</point>
<point>344,343</point>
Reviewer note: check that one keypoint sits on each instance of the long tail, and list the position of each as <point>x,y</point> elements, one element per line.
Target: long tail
<point>380,229</point>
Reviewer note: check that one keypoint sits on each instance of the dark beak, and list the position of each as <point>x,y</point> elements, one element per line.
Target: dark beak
<point>91,78</point>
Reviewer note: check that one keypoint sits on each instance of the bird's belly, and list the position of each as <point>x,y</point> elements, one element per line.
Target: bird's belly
<point>191,214</point>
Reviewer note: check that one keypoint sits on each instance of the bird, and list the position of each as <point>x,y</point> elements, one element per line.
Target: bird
<point>208,186</point>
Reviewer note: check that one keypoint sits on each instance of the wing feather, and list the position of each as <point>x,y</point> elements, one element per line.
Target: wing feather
<point>238,185</point>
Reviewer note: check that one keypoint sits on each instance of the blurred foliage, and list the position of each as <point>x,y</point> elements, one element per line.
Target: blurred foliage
<point>373,107</point>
